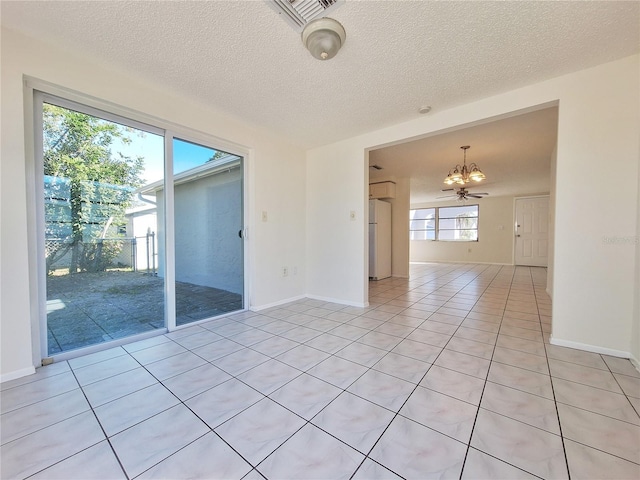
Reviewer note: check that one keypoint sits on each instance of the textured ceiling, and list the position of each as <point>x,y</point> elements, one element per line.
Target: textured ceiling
<point>514,153</point>
<point>240,57</point>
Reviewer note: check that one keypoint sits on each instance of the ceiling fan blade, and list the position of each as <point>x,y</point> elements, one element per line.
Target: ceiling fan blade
<point>448,196</point>
<point>447,190</point>
<point>474,196</point>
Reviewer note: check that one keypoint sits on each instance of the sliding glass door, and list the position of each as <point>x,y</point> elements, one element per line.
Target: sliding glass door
<point>209,267</point>
<point>106,222</point>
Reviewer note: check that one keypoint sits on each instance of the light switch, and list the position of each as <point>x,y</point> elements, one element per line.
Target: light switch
<point>352,215</point>
<point>264,216</point>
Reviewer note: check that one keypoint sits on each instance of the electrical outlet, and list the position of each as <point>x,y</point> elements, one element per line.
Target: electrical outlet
<point>285,271</point>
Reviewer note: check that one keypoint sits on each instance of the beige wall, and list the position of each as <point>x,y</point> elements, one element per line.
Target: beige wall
<point>275,183</point>
<point>495,236</point>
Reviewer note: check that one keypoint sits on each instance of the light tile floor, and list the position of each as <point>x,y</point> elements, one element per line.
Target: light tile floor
<point>446,375</point>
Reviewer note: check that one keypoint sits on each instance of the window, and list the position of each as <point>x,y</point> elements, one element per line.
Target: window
<point>422,224</point>
<point>448,224</point>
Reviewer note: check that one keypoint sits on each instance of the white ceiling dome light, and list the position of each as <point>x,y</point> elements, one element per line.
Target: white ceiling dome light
<point>323,37</point>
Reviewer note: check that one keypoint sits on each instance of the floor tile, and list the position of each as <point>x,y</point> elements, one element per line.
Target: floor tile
<point>42,373</point>
<point>454,384</point>
<point>414,451</point>
<point>175,365</point>
<point>269,376</point>
<point>311,453</point>
<point>521,344</point>
<point>470,347</point>
<point>586,462</point>
<point>476,335</point>
<point>367,323</point>
<point>521,379</point>
<point>349,332</point>
<point>32,453</point>
<point>603,433</point>
<point>306,395</point>
<point>586,375</point>
<point>463,363</point>
<point>432,338</point>
<point>361,354</point>
<point>126,411</point>
<point>357,422</point>
<point>206,458</point>
<point>158,352</point>
<point>145,444</point>
<point>222,402</point>
<point>519,359</point>
<point>29,393</point>
<point>418,350</point>
<point>338,371</point>
<point>92,358</point>
<point>580,357</point>
<point>303,357</point>
<point>370,470</point>
<point>380,340</point>
<point>527,408</point>
<point>112,388</point>
<point>34,417</point>
<point>382,389</point>
<point>198,340</point>
<point>260,429</point>
<point>630,385</point>
<point>328,343</point>
<point>479,465</point>
<point>240,361</point>
<point>399,326</point>
<point>301,334</point>
<point>196,381</point>
<point>274,346</point>
<point>96,463</point>
<point>621,365</point>
<point>440,412</point>
<point>399,366</point>
<point>528,448</point>
<point>595,400</point>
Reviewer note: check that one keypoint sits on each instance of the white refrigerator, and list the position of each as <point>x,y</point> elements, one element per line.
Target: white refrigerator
<point>379,239</point>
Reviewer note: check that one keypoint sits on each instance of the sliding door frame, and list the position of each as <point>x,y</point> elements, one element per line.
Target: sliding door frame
<point>35,93</point>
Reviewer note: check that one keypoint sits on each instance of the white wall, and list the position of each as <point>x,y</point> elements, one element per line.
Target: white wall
<point>400,229</point>
<point>276,183</point>
<point>495,236</point>
<point>594,283</point>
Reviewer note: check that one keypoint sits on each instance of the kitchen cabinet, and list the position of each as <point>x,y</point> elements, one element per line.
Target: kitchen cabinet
<point>382,190</point>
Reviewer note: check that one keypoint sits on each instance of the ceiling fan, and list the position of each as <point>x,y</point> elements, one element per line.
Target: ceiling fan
<point>463,194</point>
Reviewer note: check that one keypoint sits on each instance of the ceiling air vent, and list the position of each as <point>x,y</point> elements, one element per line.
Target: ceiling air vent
<point>300,12</point>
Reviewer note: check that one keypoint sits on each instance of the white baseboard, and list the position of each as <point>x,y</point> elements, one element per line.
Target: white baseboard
<point>635,362</point>
<point>340,301</point>
<point>17,374</point>
<point>257,308</point>
<point>590,348</point>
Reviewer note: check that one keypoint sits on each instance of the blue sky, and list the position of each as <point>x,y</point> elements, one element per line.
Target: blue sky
<point>150,146</point>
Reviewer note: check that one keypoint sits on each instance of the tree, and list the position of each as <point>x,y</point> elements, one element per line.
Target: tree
<point>91,184</point>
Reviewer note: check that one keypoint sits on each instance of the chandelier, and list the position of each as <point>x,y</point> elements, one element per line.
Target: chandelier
<point>463,174</point>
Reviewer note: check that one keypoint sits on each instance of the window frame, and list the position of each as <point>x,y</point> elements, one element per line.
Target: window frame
<point>438,218</point>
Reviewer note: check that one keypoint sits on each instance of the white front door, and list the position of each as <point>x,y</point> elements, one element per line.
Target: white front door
<point>532,231</point>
